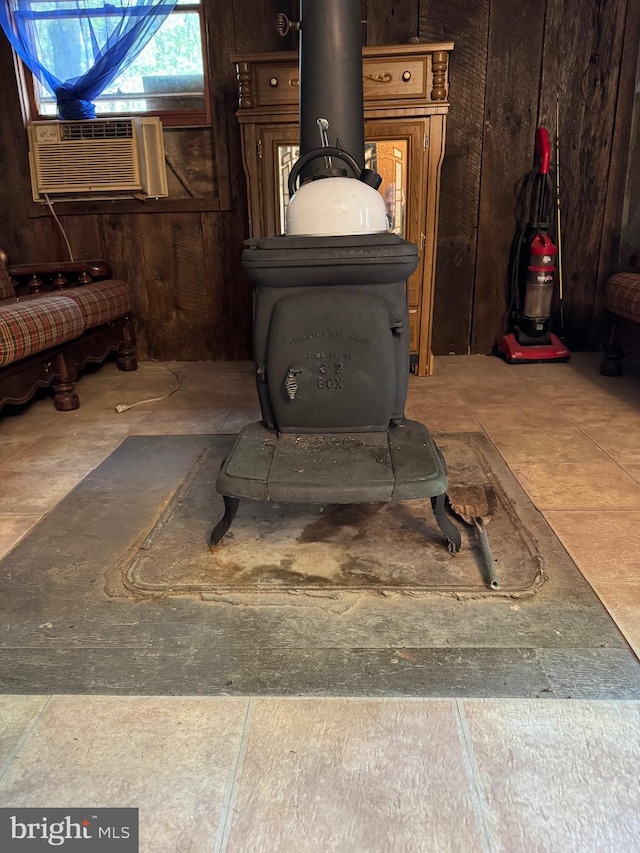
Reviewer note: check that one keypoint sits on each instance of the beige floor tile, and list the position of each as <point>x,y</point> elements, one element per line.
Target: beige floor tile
<point>176,422</point>
<point>354,775</point>
<point>577,486</point>
<point>605,545</point>
<point>102,408</point>
<point>633,470</point>
<point>32,492</point>
<point>622,600</point>
<point>95,415</point>
<point>549,444</point>
<point>443,418</point>
<point>210,400</point>
<point>75,454</point>
<point>173,758</point>
<point>523,416</point>
<point>35,418</point>
<point>557,775</point>
<point>429,391</point>
<point>469,369</point>
<point>17,716</point>
<point>620,445</point>
<point>150,382</point>
<point>13,528</point>
<point>584,382</point>
<point>593,414</point>
<point>240,417</point>
<point>513,394</point>
<point>11,445</point>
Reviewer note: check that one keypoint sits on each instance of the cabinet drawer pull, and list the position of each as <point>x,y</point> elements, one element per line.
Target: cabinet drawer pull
<point>406,76</point>
<point>273,81</point>
<point>378,78</point>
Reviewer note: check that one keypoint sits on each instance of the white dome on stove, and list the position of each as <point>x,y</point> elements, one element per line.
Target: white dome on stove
<point>331,207</point>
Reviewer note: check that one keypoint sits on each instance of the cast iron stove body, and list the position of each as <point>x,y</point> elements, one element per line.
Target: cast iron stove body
<point>331,330</point>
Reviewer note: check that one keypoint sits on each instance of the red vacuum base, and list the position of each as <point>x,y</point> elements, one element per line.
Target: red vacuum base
<point>516,353</point>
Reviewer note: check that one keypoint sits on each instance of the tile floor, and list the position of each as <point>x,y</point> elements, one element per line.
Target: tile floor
<point>268,774</point>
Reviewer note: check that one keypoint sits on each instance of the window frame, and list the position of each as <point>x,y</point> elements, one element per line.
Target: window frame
<point>170,117</point>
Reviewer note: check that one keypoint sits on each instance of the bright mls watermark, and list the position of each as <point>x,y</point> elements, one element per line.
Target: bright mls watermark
<point>79,830</point>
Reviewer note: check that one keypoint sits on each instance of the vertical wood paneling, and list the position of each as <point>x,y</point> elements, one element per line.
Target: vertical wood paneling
<point>592,34</point>
<point>391,21</point>
<point>254,25</point>
<point>609,259</point>
<point>220,46</point>
<point>121,238</point>
<point>178,323</point>
<point>230,299</point>
<point>83,234</point>
<point>468,25</point>
<point>511,107</point>
<point>16,232</point>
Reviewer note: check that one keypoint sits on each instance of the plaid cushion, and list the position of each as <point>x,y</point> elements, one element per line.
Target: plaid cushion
<point>622,295</point>
<point>6,288</point>
<point>101,301</point>
<point>37,324</point>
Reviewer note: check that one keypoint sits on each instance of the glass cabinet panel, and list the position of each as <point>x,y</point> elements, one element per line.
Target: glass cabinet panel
<point>286,157</point>
<point>388,158</point>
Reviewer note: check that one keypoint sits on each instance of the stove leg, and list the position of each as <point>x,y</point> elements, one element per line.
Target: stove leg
<point>454,540</point>
<point>230,510</point>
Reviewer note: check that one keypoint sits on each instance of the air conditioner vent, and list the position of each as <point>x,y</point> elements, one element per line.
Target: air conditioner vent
<point>97,130</point>
<point>71,160</point>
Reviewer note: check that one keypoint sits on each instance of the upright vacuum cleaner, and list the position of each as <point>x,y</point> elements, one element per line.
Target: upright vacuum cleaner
<point>532,269</point>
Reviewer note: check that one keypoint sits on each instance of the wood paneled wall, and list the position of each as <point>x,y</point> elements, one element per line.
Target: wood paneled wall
<point>510,62</point>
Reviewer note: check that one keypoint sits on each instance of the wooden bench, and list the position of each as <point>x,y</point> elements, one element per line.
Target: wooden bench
<point>54,320</point>
<point>622,301</point>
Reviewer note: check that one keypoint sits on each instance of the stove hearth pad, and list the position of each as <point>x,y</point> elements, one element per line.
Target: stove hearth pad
<point>402,463</point>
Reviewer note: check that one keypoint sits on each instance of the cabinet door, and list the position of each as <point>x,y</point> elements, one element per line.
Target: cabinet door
<point>278,151</point>
<point>398,152</point>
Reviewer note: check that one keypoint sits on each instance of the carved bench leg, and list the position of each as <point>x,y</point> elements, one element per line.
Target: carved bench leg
<point>127,350</point>
<point>65,397</point>
<point>613,354</point>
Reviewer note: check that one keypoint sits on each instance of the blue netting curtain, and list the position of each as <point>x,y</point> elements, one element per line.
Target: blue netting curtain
<point>76,48</point>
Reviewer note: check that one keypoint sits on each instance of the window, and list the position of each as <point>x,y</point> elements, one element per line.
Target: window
<point>167,78</point>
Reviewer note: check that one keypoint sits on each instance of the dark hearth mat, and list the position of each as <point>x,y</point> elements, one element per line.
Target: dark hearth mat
<point>279,547</point>
<point>71,625</point>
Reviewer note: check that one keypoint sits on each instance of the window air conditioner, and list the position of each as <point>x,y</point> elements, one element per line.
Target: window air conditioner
<point>106,158</point>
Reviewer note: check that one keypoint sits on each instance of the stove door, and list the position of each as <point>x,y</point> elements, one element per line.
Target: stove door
<point>332,361</point>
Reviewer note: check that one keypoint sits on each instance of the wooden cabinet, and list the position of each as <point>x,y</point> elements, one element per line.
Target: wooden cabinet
<point>405,106</point>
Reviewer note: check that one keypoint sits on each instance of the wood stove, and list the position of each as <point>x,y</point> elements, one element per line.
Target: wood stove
<point>331,332</point>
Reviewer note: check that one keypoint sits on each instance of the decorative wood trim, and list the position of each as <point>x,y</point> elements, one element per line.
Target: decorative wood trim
<point>439,65</point>
<point>244,75</point>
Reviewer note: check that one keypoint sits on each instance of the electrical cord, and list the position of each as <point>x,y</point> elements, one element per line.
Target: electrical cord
<point>121,407</point>
<point>59,224</point>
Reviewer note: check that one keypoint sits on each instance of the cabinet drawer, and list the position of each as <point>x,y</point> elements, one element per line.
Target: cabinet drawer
<point>395,78</point>
<point>384,79</point>
<point>277,83</point>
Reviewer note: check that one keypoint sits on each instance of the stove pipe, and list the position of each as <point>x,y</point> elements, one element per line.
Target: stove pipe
<point>331,78</point>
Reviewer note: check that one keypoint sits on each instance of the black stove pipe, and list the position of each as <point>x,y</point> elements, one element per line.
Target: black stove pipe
<point>331,78</point>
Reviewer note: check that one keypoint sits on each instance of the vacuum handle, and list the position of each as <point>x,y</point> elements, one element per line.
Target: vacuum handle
<point>543,150</point>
